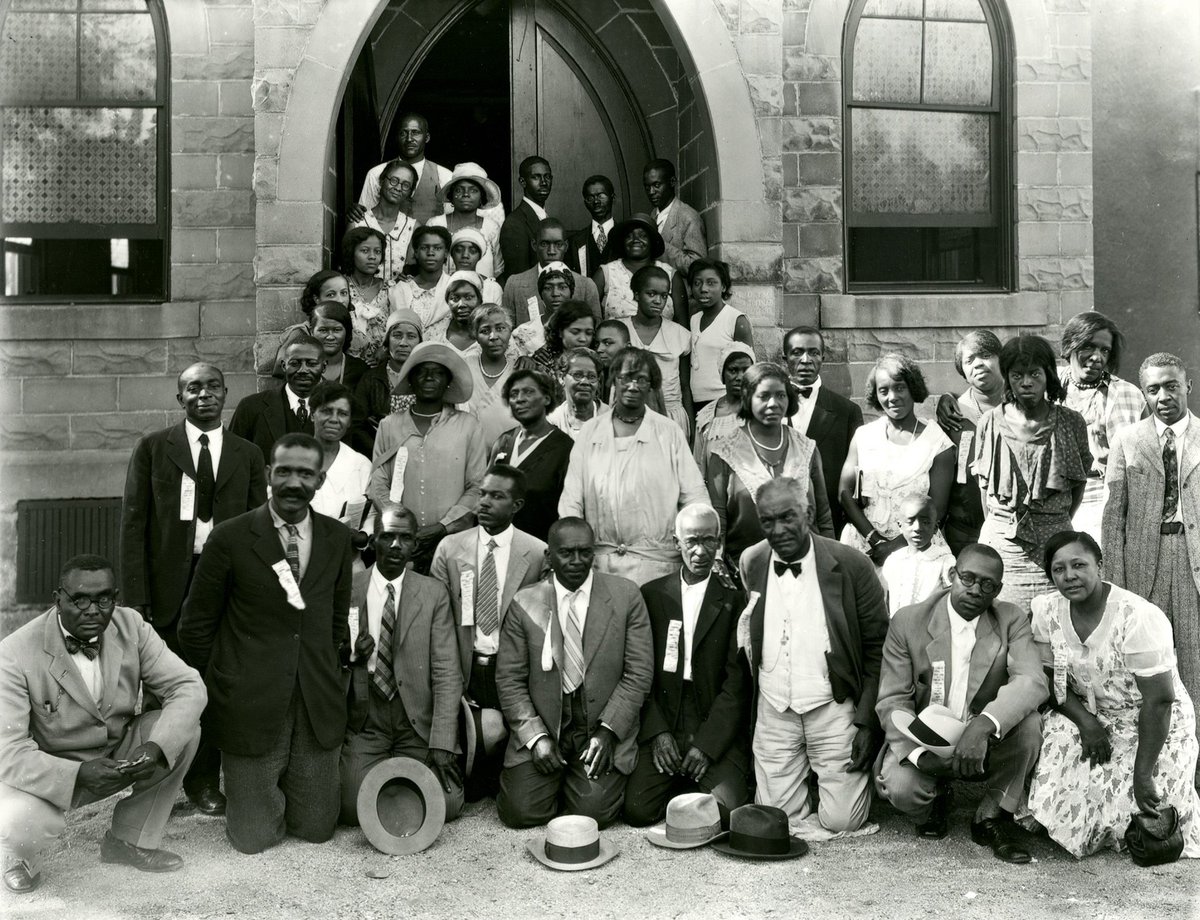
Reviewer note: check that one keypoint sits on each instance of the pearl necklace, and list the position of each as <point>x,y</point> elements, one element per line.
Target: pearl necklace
<point>760,444</point>
<point>500,373</point>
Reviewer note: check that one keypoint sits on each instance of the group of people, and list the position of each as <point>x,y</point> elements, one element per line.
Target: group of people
<point>581,501</point>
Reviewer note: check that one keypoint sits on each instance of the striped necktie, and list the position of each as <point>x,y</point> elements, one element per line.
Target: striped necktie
<point>292,550</point>
<point>1171,476</point>
<point>489,594</point>
<point>572,646</point>
<point>383,678</point>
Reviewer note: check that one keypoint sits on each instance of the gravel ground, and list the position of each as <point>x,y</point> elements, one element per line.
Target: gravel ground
<point>480,869</point>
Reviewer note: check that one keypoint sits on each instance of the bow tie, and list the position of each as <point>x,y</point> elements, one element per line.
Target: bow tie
<point>781,567</point>
<point>74,646</point>
<point>805,391</point>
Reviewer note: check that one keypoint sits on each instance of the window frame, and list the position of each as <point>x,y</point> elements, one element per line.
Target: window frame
<point>161,228</point>
<point>1002,152</point>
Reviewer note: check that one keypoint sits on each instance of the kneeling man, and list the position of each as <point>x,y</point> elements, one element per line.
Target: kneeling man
<point>975,655</point>
<point>69,688</point>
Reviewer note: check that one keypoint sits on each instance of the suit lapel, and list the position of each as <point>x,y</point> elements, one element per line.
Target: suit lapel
<point>759,579</point>
<point>828,574</point>
<point>179,451</point>
<point>62,668</point>
<point>518,564</point>
<point>1150,447</point>
<point>406,612</point>
<point>820,420</point>
<point>275,413</point>
<point>599,617</point>
<point>1191,450</point>
<point>230,455</point>
<point>267,546</point>
<point>320,559</point>
<point>983,656</point>
<point>716,600</point>
<point>938,647</point>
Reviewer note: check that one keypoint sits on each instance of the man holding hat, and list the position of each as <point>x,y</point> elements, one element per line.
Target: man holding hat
<point>573,671</point>
<point>973,656</point>
<point>405,678</point>
<point>549,246</point>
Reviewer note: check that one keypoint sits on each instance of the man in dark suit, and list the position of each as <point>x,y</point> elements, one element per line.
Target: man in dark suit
<point>182,481</point>
<point>827,417</point>
<point>573,672</point>
<point>265,621</point>
<point>681,227</point>
<point>265,417</point>
<point>519,229</point>
<point>694,727</point>
<point>549,247</point>
<point>814,631</point>
<point>587,248</point>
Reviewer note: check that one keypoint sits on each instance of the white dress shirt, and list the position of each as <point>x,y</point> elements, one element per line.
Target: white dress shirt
<point>215,438</point>
<point>607,227</point>
<point>304,537</point>
<point>489,643</point>
<point>537,208</point>
<point>561,602</point>
<point>805,406</point>
<point>89,669</point>
<point>376,598</point>
<point>1180,428</point>
<point>693,599</point>
<point>661,217</point>
<point>793,673</point>
<point>294,400</point>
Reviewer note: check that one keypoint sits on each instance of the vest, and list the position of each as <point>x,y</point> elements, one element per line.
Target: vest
<point>424,203</point>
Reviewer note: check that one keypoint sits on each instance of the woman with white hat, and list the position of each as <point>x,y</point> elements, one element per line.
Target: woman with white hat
<point>467,248</point>
<point>432,457</point>
<point>377,393</point>
<point>469,190</point>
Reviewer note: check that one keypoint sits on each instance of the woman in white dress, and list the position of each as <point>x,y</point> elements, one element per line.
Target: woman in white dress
<point>343,494</point>
<point>714,327</point>
<point>633,244</point>
<point>395,188</point>
<point>670,343</point>
<point>468,248</point>
<point>468,192</point>
<point>490,366</point>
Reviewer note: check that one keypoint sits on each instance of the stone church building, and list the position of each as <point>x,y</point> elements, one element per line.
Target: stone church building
<point>893,171</point>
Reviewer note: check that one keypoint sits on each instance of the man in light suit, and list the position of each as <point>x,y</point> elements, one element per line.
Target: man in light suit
<point>816,621</point>
<point>1151,524</point>
<point>519,229</point>
<point>587,248</point>
<point>181,482</point>
<point>265,622</point>
<point>550,246</point>
<point>263,418</point>
<point>405,680</point>
<point>69,735</point>
<point>827,417</point>
<point>975,655</point>
<point>682,228</point>
<point>461,564</point>
<point>574,669</point>
<point>695,733</point>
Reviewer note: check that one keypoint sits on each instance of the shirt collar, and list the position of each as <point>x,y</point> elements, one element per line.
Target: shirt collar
<point>280,523</point>
<point>1180,427</point>
<point>561,593</point>
<point>805,560</point>
<point>66,633</point>
<point>816,385</point>
<point>292,397</point>
<point>685,587</point>
<point>606,226</point>
<point>418,166</point>
<point>378,581</point>
<point>537,208</point>
<point>662,215</point>
<point>503,538</point>
<point>193,433</point>
<point>959,624</point>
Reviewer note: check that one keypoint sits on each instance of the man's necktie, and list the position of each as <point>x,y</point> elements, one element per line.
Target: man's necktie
<point>292,551</point>
<point>488,600</point>
<point>75,646</point>
<point>781,567</point>
<point>384,679</point>
<point>302,411</point>
<point>805,391</point>
<point>1171,469</point>
<point>601,239</point>
<point>572,646</point>
<point>205,482</point>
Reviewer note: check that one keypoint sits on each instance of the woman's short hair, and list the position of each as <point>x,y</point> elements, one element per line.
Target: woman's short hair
<point>1066,538</point>
<point>588,354</point>
<point>541,380</point>
<point>1082,326</point>
<point>544,278</point>
<point>425,230</point>
<point>486,311</point>
<point>640,360</point>
<point>328,392</point>
<point>353,239</point>
<point>903,369</point>
<point>755,374</point>
<point>717,266</point>
<point>568,312</point>
<point>312,289</point>
<point>1025,352</point>
<point>394,165</point>
<point>976,342</point>
<point>644,274</point>
<point>337,312</point>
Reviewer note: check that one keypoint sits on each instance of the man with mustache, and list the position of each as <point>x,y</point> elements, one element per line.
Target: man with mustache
<point>183,481</point>
<point>263,418</point>
<point>265,621</point>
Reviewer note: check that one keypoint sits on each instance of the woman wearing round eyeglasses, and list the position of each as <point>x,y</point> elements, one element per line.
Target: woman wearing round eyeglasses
<point>468,191</point>
<point>343,494</point>
<point>631,471</point>
<point>582,374</point>
<point>395,189</point>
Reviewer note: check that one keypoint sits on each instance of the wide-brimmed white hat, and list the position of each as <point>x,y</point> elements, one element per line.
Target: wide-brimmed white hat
<point>478,175</point>
<point>936,729</point>
<point>461,385</point>
<point>572,843</point>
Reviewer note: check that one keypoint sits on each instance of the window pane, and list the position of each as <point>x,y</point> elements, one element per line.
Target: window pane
<point>83,268</point>
<point>887,61</point>
<point>133,6</point>
<point>43,4</point>
<point>893,8</point>
<point>38,60</point>
<point>92,166</point>
<point>909,162</point>
<point>953,9</point>
<point>118,56</point>
<point>958,63</point>
<point>933,255</point>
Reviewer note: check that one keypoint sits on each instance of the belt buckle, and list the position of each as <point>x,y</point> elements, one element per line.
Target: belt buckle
<point>621,549</point>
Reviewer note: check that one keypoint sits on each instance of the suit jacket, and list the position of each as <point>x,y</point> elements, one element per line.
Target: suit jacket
<point>517,234</point>
<point>545,472</point>
<point>520,287</point>
<point>683,234</point>
<point>156,547</point>
<point>618,668</point>
<point>424,659</point>
<point>832,424</point>
<point>264,418</point>
<point>252,647</point>
<point>720,678</point>
<point>1136,483</point>
<point>49,722</point>
<point>583,255</point>
<point>456,554</point>
<point>856,617</point>
<point>1006,679</point>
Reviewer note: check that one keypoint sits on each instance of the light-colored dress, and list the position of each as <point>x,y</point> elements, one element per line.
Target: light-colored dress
<point>630,489</point>
<point>563,417</point>
<point>491,263</point>
<point>487,404</point>
<point>1083,808</point>
<point>910,575</point>
<point>395,253</point>
<point>343,494</point>
<point>368,319</point>
<point>430,305</point>
<point>711,428</point>
<point>707,348</point>
<point>618,295</point>
<point>670,344</point>
<point>889,472</point>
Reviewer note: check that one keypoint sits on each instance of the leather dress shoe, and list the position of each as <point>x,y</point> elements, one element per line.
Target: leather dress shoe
<point>937,825</point>
<point>113,850</point>
<point>1001,835</point>
<point>18,878</point>
<point>209,801</point>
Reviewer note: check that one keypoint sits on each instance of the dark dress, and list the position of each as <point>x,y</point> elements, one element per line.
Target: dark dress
<point>545,470</point>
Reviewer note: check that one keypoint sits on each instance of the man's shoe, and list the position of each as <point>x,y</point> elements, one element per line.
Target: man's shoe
<point>113,850</point>
<point>938,823</point>
<point>19,878</point>
<point>209,801</point>
<point>1001,835</point>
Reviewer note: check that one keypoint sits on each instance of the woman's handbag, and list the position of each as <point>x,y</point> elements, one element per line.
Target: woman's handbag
<point>1155,839</point>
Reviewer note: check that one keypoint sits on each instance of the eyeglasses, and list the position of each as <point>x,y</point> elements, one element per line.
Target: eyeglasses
<point>706,542</point>
<point>969,580</point>
<point>584,378</point>
<point>639,380</point>
<point>393,182</point>
<point>85,601</point>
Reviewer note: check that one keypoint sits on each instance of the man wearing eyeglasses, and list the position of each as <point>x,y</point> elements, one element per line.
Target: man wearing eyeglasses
<point>69,687</point>
<point>263,418</point>
<point>694,734</point>
<point>974,655</point>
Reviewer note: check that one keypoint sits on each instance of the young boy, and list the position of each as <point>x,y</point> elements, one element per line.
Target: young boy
<point>914,572</point>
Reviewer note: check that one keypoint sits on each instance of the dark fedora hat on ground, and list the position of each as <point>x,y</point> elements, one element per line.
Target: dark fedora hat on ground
<point>760,832</point>
<point>483,733</point>
<point>401,806</point>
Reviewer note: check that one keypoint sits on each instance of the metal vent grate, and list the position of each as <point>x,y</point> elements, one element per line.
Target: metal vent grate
<point>50,531</point>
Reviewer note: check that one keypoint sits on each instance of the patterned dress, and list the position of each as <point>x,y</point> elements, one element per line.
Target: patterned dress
<point>1083,808</point>
<point>368,318</point>
<point>618,295</point>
